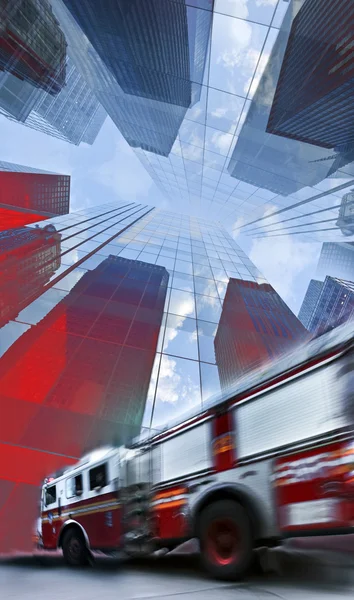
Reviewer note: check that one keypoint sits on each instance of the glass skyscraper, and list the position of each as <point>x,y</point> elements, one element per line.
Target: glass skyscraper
<point>32,45</point>
<point>73,115</point>
<point>171,59</point>
<point>28,195</point>
<point>113,329</point>
<point>216,150</point>
<point>279,165</point>
<point>334,305</point>
<point>147,88</point>
<point>336,260</point>
<point>313,99</point>
<point>309,302</point>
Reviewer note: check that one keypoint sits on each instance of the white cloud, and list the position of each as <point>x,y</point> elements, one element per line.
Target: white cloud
<point>124,174</point>
<point>238,223</point>
<point>266,2</point>
<point>283,260</point>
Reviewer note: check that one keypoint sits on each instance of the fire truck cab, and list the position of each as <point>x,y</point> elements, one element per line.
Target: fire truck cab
<point>275,459</point>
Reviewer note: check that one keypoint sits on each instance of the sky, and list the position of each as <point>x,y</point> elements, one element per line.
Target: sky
<point>110,171</point>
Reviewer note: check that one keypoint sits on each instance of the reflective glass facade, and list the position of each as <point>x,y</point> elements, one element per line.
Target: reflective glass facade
<point>73,115</point>
<point>312,102</point>
<point>225,157</point>
<point>117,323</point>
<point>335,305</point>
<point>32,47</point>
<point>36,190</point>
<point>336,260</point>
<point>28,194</point>
<point>146,88</point>
<point>309,302</point>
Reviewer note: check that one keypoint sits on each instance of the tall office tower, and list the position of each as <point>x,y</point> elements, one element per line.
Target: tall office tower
<point>121,338</point>
<point>335,305</point>
<point>29,257</point>
<point>73,115</point>
<point>313,100</point>
<point>167,64</point>
<point>28,195</point>
<point>145,88</point>
<point>282,166</point>
<point>32,45</point>
<point>336,260</point>
<point>255,328</point>
<point>346,214</point>
<point>17,97</point>
<point>309,302</point>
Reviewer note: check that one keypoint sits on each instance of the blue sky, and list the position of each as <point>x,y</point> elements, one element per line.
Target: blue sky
<point>109,171</point>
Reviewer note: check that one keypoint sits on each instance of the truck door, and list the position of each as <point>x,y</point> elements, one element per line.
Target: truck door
<point>102,517</point>
<point>50,517</point>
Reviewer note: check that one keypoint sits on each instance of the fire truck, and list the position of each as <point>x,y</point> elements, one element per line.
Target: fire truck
<point>272,459</point>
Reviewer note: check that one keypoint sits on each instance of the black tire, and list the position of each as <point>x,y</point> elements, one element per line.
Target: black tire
<point>74,548</point>
<point>226,540</point>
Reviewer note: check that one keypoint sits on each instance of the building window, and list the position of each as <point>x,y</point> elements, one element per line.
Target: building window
<point>98,477</point>
<point>51,495</point>
<point>74,486</point>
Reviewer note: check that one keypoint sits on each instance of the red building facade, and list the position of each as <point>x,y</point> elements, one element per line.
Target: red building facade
<point>28,196</point>
<point>255,327</point>
<point>76,379</point>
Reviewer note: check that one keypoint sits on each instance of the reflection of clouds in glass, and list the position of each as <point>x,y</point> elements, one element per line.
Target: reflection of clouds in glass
<point>221,141</point>
<point>10,333</point>
<point>239,34</point>
<point>235,49</point>
<point>253,60</point>
<point>182,303</point>
<point>181,337</point>
<point>208,308</point>
<point>151,392</point>
<point>191,152</point>
<point>266,2</point>
<point>178,389</point>
<point>236,8</point>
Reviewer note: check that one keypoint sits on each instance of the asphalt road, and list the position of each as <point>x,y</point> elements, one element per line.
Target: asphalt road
<point>296,576</point>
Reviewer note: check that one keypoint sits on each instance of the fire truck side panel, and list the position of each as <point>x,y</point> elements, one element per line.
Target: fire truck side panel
<point>100,517</point>
<point>251,486</point>
<point>187,453</point>
<point>303,408</point>
<point>314,489</point>
<point>181,457</point>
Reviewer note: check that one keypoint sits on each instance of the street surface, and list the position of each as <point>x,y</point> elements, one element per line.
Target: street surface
<point>291,574</point>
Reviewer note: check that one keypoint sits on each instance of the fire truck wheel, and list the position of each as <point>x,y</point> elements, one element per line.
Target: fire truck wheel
<point>74,548</point>
<point>226,540</point>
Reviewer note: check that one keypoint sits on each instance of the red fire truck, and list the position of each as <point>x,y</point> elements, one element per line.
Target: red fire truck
<point>274,459</point>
